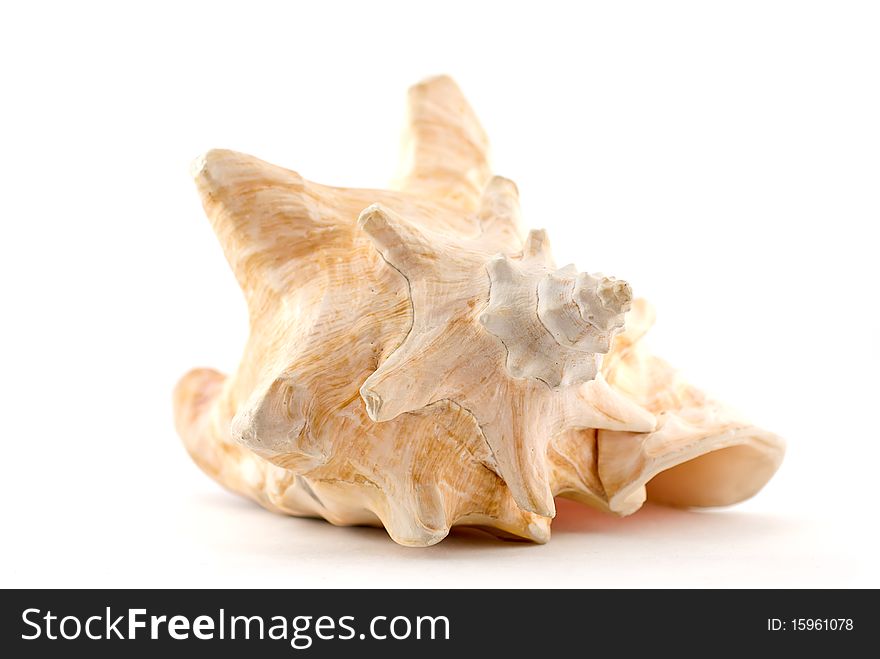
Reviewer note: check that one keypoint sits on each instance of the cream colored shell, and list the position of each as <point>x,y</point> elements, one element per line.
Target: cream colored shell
<point>416,362</point>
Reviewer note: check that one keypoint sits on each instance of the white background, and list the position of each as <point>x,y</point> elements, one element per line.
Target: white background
<point>722,157</point>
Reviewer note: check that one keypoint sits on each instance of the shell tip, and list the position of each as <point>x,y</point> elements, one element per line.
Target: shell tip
<point>199,165</point>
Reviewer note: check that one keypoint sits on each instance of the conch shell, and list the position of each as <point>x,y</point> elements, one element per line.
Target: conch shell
<point>416,362</point>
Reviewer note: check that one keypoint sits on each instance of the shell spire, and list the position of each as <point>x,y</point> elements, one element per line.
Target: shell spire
<point>417,362</point>
<point>447,285</point>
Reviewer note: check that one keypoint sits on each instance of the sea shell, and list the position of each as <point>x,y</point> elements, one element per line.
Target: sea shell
<point>416,362</point>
